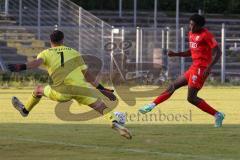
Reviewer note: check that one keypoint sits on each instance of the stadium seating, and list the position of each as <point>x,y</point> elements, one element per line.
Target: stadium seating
<point>17,44</point>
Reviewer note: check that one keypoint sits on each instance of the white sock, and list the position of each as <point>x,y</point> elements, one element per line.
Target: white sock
<point>152,105</point>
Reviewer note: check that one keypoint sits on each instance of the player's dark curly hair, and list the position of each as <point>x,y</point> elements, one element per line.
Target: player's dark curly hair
<point>198,19</point>
<point>56,36</point>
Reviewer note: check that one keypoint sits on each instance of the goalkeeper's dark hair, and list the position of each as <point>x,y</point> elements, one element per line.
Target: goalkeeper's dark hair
<point>198,19</point>
<point>57,36</point>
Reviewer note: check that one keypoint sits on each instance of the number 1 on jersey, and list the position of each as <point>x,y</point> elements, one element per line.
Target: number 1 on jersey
<point>62,58</point>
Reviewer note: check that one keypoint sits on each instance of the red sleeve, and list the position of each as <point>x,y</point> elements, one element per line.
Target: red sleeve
<point>210,40</point>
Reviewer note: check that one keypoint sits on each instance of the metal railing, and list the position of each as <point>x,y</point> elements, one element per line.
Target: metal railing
<point>133,53</point>
<point>42,16</point>
<point>90,35</point>
<point>2,7</point>
<point>230,61</point>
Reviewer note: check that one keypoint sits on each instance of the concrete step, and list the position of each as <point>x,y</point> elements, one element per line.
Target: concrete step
<point>8,50</point>
<point>14,61</point>
<point>26,44</point>
<point>7,22</point>
<point>20,40</point>
<point>24,41</point>
<point>3,43</point>
<point>30,51</point>
<point>4,17</point>
<point>14,36</point>
<point>14,57</point>
<point>13,29</point>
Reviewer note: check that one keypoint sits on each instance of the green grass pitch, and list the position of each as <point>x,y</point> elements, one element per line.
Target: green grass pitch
<point>160,136</point>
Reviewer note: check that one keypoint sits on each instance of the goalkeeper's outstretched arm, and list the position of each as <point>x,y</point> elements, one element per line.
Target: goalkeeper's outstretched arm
<point>24,66</point>
<point>34,64</point>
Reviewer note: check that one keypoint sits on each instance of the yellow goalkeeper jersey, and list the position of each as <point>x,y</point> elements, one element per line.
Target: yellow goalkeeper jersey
<point>64,65</point>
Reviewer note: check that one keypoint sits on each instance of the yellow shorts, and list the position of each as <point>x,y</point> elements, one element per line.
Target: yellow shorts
<point>60,97</point>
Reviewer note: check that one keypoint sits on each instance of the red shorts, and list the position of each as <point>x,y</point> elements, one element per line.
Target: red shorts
<point>194,76</point>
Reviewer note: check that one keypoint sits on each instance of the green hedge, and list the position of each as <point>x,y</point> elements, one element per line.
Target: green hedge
<point>24,79</point>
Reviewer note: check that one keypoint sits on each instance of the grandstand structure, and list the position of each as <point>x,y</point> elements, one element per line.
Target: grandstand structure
<point>41,17</point>
<point>214,24</point>
<point>123,48</point>
<point>26,26</point>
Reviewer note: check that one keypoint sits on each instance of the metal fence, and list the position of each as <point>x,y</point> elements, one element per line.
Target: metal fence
<point>129,53</point>
<point>82,29</point>
<point>230,61</point>
<point>2,7</point>
<point>139,54</point>
<point>88,34</point>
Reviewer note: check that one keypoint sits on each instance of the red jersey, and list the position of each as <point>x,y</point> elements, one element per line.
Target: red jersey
<point>201,45</point>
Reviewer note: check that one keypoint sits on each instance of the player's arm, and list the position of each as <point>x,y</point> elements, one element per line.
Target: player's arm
<point>24,66</point>
<point>216,52</point>
<point>179,54</point>
<point>107,92</point>
<point>34,64</point>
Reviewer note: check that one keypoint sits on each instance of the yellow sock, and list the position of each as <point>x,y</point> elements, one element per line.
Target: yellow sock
<point>32,101</point>
<point>108,115</point>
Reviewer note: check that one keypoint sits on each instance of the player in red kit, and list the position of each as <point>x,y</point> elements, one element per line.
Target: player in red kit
<point>202,45</point>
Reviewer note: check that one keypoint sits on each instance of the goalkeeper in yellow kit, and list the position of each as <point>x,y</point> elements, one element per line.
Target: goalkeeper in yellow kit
<point>68,71</point>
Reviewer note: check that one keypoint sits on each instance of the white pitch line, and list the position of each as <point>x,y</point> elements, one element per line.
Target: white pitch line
<point>117,149</point>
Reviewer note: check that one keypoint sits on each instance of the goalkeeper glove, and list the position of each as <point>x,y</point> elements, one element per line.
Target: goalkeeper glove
<point>107,92</point>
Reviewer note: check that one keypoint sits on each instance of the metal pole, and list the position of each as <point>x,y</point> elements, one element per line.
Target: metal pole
<point>199,11</point>
<point>235,45</point>
<point>223,59</point>
<point>167,48</point>
<point>79,28</point>
<point>163,47</point>
<point>163,39</point>
<point>20,12</point>
<point>102,42</point>
<point>59,12</point>
<point>39,19</point>
<point>135,13</point>
<point>182,49</point>
<point>167,38</point>
<point>123,53</point>
<point>140,49</point>
<point>177,24</point>
<point>155,22</point>
<point>120,8</point>
<point>6,7</point>
<point>155,14</point>
<point>137,49</point>
<point>111,61</point>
